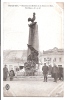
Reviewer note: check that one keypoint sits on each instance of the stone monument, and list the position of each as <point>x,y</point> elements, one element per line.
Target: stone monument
<point>33,47</point>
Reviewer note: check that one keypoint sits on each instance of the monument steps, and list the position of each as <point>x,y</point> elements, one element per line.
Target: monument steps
<point>31,78</point>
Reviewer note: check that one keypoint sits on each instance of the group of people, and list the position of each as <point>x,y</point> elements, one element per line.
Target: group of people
<point>55,72</point>
<point>7,73</point>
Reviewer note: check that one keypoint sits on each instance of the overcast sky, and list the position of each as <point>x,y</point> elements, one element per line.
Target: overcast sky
<point>16,30</point>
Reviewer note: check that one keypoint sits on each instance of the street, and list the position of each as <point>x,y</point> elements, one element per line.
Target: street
<point>34,88</point>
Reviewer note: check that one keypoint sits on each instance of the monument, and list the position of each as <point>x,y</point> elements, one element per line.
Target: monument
<point>33,47</point>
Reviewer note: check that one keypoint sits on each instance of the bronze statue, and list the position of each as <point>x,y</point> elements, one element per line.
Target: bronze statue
<point>32,20</point>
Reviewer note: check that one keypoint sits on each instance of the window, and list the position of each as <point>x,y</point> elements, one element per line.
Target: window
<point>44,59</point>
<point>50,59</point>
<point>54,59</point>
<point>60,59</point>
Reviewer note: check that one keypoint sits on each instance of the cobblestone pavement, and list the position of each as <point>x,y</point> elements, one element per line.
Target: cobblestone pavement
<point>34,88</point>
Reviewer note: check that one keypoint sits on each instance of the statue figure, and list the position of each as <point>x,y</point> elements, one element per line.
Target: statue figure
<point>32,20</point>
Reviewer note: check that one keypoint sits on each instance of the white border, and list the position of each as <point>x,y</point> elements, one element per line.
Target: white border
<point>32,1</point>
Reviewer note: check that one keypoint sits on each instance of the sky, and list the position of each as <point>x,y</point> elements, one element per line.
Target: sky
<point>16,30</point>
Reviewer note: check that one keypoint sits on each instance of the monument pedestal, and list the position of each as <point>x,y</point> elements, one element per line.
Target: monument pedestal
<point>33,48</point>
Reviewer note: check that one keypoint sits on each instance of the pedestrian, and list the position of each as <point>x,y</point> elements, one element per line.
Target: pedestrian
<point>60,72</point>
<point>50,69</point>
<point>5,72</point>
<point>55,72</point>
<point>45,71</point>
<point>11,74</point>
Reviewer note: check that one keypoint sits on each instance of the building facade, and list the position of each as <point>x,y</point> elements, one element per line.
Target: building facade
<point>51,56</point>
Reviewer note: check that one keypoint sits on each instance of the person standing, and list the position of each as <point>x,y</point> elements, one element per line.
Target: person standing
<point>55,72</point>
<point>5,72</point>
<point>50,69</point>
<point>45,71</point>
<point>60,72</point>
<point>11,74</point>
